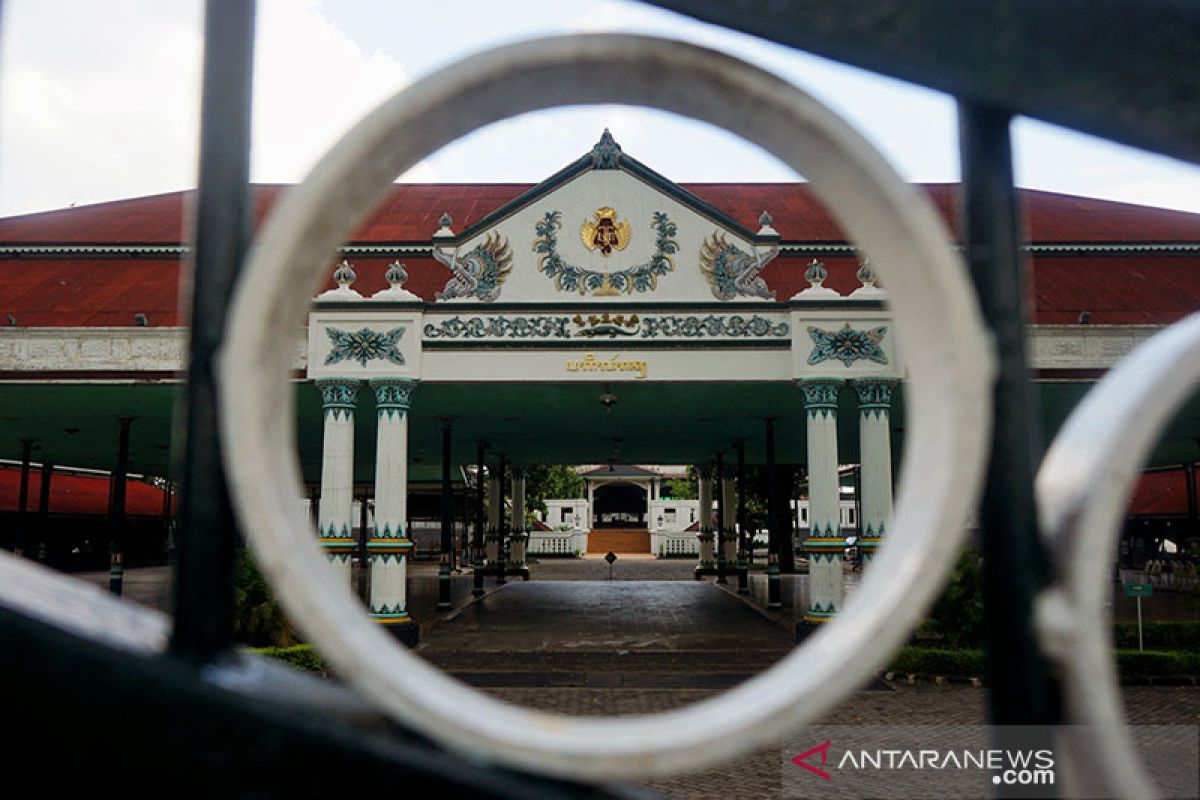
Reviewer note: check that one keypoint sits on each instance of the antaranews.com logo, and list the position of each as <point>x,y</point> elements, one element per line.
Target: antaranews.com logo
<point>967,761</point>
<point>1019,767</point>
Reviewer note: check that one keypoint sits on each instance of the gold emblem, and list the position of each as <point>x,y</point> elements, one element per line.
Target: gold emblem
<point>605,234</point>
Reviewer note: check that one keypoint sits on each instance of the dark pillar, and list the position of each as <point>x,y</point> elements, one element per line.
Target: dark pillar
<point>44,510</point>
<point>480,517</point>
<point>772,521</point>
<point>362,567</point>
<point>116,511</point>
<point>1015,565</point>
<point>721,532</point>
<point>447,544</point>
<point>743,562</point>
<point>208,536</point>
<point>502,543</point>
<point>1193,525</point>
<point>786,482</point>
<point>23,498</point>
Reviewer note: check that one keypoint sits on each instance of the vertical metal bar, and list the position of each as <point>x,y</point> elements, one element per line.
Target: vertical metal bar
<point>480,519</point>
<point>44,510</point>
<point>721,533</point>
<point>23,499</point>
<point>773,595</point>
<point>1014,563</point>
<point>501,559</point>
<point>447,543</point>
<point>208,536</point>
<point>116,510</point>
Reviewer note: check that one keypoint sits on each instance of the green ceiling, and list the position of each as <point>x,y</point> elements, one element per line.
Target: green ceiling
<point>664,423</point>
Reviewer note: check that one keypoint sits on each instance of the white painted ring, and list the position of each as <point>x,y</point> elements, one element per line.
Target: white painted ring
<point>892,222</point>
<point>1083,489</point>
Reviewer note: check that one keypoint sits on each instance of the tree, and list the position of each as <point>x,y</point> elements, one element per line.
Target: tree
<point>550,481</point>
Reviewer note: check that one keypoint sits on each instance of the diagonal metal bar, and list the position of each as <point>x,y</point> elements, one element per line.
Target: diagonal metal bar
<point>1113,68</point>
<point>208,534</point>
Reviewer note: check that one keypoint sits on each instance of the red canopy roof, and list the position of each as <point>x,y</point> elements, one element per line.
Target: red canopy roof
<point>77,494</point>
<point>1160,492</point>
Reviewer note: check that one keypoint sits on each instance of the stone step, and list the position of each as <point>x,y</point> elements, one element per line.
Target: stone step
<point>618,541</point>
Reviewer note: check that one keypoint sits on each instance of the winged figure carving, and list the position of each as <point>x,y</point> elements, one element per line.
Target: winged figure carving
<point>480,272</point>
<point>732,271</point>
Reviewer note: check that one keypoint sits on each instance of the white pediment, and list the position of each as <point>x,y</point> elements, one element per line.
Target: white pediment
<point>605,235</point>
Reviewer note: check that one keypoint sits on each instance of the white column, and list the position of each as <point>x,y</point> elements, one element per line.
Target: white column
<point>707,549</point>
<point>519,535</point>
<point>336,523</point>
<point>729,520</point>
<point>389,545</point>
<point>825,542</point>
<point>875,451</point>
<point>491,544</point>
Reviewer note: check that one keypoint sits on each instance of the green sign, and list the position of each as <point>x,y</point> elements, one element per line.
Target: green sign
<point>1138,590</point>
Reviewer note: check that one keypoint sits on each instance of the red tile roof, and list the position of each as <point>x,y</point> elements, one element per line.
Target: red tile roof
<point>1161,492</point>
<point>411,211</point>
<point>108,290</point>
<point>77,494</point>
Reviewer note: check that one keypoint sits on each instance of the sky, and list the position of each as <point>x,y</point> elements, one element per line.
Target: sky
<point>100,101</point>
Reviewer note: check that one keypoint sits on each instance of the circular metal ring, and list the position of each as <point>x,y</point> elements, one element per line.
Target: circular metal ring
<point>1083,489</point>
<point>893,223</point>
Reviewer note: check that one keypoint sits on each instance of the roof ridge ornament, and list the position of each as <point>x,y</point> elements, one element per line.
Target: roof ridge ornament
<point>607,153</point>
<point>866,276</point>
<point>444,230</point>
<point>765,220</point>
<point>816,275</point>
<point>343,275</point>
<point>396,276</point>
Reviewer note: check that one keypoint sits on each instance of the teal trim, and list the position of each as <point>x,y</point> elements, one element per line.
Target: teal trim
<point>392,396</point>
<point>821,396</point>
<point>338,397</point>
<point>584,346</point>
<point>874,395</point>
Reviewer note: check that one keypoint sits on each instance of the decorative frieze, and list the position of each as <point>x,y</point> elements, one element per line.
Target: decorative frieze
<point>499,328</point>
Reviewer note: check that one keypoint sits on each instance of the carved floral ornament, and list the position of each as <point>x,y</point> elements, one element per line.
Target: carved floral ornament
<point>480,272</point>
<point>364,345</point>
<point>847,345</point>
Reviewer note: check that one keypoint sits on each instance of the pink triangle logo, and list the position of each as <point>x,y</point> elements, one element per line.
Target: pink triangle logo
<point>802,762</point>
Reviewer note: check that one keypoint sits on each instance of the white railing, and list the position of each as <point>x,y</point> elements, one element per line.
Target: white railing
<point>667,544</point>
<point>557,543</point>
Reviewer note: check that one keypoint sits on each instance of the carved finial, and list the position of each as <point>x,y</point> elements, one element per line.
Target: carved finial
<point>445,221</point>
<point>816,273</point>
<point>344,275</point>
<point>866,274</point>
<point>396,275</point>
<point>765,220</point>
<point>607,153</point>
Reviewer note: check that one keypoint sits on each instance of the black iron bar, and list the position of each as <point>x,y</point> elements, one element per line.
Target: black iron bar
<point>447,541</point>
<point>116,510</point>
<point>1015,564</point>
<point>23,499</point>
<point>1052,61</point>
<point>208,536</point>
